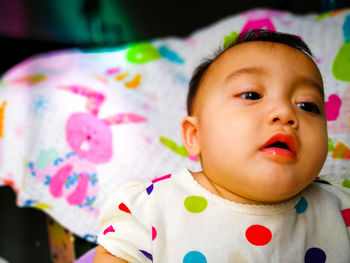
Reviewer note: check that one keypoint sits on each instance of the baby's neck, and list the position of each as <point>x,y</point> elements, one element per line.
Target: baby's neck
<point>222,192</point>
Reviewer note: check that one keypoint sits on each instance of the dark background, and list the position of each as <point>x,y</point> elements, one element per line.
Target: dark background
<point>36,26</point>
<point>32,26</point>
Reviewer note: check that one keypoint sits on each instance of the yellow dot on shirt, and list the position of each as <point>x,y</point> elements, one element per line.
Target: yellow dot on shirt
<point>195,204</point>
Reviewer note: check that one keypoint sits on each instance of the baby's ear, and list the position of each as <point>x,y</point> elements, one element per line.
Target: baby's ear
<point>190,135</point>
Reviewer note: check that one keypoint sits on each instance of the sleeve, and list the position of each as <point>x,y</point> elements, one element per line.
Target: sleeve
<point>125,228</point>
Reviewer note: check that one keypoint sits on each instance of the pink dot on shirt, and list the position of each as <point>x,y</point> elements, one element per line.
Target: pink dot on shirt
<point>109,229</point>
<point>161,178</point>
<point>346,216</point>
<point>258,235</point>
<point>154,233</point>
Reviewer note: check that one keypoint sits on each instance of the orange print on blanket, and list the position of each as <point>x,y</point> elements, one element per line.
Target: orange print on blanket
<point>133,83</point>
<point>341,151</point>
<point>2,118</point>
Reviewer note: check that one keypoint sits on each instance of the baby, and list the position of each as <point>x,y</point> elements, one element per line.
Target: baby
<point>256,117</point>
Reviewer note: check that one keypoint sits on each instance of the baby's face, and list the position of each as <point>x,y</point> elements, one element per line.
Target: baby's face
<point>260,120</point>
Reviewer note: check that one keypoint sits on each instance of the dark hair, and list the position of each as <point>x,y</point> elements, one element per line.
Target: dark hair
<point>244,37</point>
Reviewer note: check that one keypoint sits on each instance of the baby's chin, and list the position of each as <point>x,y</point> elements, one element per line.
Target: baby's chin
<point>273,199</point>
<point>260,195</point>
<point>274,195</point>
<point>278,187</point>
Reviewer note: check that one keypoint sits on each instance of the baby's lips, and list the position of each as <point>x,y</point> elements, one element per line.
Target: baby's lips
<point>287,139</point>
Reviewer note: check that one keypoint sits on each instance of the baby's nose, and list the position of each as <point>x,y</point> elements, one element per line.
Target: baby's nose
<point>283,114</point>
<point>290,122</point>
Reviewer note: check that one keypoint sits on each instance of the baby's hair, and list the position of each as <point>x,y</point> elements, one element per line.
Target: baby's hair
<point>244,37</point>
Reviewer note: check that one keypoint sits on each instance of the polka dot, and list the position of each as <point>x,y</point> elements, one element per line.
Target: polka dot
<point>109,229</point>
<point>194,257</point>
<point>124,208</point>
<point>150,189</point>
<point>195,204</point>
<point>161,178</point>
<point>147,255</point>
<point>301,206</point>
<point>346,216</point>
<point>322,181</point>
<point>258,235</point>
<point>154,233</point>
<point>315,255</point>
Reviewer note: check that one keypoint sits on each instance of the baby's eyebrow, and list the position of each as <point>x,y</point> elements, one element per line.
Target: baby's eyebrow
<point>245,71</point>
<point>309,81</point>
<point>260,71</point>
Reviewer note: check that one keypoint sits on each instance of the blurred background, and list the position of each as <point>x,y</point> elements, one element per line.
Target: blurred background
<point>29,27</point>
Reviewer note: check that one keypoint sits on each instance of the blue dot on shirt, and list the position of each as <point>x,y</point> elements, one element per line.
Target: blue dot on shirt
<point>315,255</point>
<point>301,206</point>
<point>194,257</point>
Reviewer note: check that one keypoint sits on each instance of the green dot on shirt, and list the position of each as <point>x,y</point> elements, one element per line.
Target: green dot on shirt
<point>195,204</point>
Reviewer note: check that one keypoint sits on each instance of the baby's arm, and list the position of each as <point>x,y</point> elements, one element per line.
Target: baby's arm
<point>102,255</point>
<point>124,227</point>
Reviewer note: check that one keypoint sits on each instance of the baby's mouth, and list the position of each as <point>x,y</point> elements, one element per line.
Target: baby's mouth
<point>284,145</point>
<point>278,144</point>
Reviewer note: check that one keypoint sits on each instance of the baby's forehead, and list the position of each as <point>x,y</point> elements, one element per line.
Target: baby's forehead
<point>259,56</point>
<point>244,49</point>
<point>263,59</point>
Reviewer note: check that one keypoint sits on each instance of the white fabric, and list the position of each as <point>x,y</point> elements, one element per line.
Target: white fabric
<point>307,227</point>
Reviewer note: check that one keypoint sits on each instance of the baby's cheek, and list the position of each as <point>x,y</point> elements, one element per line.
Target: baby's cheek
<point>317,157</point>
<point>323,146</point>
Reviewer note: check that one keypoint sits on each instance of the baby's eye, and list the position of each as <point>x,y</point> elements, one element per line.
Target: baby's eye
<point>250,96</point>
<point>309,107</point>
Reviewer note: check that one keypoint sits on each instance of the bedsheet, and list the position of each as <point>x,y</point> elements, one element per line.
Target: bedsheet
<point>77,124</point>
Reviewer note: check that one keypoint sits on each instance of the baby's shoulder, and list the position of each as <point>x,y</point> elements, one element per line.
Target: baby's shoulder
<point>325,191</point>
<point>142,190</point>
